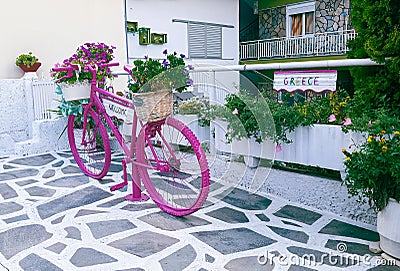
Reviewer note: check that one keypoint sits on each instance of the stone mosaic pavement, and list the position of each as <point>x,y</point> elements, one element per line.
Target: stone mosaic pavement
<point>52,217</point>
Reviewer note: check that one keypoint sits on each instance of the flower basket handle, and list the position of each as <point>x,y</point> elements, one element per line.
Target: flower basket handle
<point>70,69</point>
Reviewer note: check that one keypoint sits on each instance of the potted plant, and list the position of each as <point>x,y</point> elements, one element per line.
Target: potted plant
<point>28,62</point>
<point>373,171</point>
<point>77,86</point>
<point>152,82</point>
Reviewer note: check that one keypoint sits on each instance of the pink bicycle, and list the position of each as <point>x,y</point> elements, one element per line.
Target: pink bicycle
<point>166,155</point>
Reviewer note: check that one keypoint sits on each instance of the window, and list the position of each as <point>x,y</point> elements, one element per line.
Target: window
<point>300,19</point>
<point>204,39</point>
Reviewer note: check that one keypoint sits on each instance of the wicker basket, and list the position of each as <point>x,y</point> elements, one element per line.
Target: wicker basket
<point>153,106</point>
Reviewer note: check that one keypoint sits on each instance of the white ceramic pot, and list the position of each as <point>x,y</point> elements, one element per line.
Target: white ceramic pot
<point>388,226</point>
<point>77,91</point>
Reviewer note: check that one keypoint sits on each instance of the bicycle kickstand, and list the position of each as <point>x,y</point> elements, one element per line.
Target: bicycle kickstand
<point>137,194</point>
<point>125,182</point>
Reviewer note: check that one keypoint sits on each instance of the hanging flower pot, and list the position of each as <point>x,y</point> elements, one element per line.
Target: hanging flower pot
<point>76,91</point>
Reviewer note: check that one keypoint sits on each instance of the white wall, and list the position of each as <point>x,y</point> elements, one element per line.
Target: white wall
<point>53,30</point>
<point>158,15</point>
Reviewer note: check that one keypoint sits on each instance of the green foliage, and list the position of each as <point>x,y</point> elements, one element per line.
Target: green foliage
<point>373,168</point>
<point>155,74</point>
<point>26,59</point>
<point>199,107</point>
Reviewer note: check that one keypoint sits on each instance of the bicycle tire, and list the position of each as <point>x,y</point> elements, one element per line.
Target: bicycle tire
<point>184,187</point>
<point>93,156</point>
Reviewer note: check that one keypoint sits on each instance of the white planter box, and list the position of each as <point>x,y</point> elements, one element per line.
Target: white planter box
<point>202,133</point>
<point>319,146</point>
<point>388,228</point>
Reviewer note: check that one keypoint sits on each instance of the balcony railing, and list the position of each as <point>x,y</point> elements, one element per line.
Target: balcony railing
<point>319,44</point>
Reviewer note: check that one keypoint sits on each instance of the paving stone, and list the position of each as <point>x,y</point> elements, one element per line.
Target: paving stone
<point>300,268</point>
<point>290,223</point>
<point>229,215</point>
<point>298,214</point>
<point>115,168</point>
<point>209,258</point>
<point>9,207</point>
<point>89,256</point>
<point>104,228</point>
<point>248,263</point>
<point>33,262</point>
<point>16,218</point>
<point>69,181</point>
<point>18,173</point>
<point>37,160</point>
<point>297,236</point>
<point>138,206</point>
<point>132,269</point>
<point>169,222</point>
<point>73,233</point>
<point>57,247</point>
<point>263,217</point>
<point>203,269</point>
<point>8,166</point>
<point>85,212</point>
<point>179,260</point>
<point>352,248</point>
<point>321,257</point>
<point>71,169</point>
<point>336,227</point>
<point>40,191</point>
<point>49,173</point>
<point>245,200</point>
<point>7,192</point>
<point>112,203</point>
<point>58,220</point>
<point>76,199</point>
<point>65,154</point>
<point>26,182</point>
<point>144,244</point>
<point>17,239</point>
<point>106,181</point>
<point>58,164</point>
<point>233,240</point>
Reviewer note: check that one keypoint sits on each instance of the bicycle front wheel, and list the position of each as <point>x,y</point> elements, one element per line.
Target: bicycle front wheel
<point>92,153</point>
<point>177,176</point>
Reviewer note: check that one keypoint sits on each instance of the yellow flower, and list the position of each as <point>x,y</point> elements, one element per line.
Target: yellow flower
<point>343,150</point>
<point>347,159</point>
<point>382,140</point>
<point>354,152</point>
<point>369,140</point>
<point>384,148</point>
<point>383,132</point>
<point>397,133</point>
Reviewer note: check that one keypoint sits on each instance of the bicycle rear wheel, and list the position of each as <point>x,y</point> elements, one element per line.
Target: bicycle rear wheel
<point>178,177</point>
<point>92,153</point>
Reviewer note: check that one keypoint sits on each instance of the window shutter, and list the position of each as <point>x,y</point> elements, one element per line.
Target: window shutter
<point>214,41</point>
<point>197,40</point>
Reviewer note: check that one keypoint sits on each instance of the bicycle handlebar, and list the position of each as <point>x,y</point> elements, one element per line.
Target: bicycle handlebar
<point>74,67</point>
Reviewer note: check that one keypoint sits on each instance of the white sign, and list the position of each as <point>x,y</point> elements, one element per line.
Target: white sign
<point>316,81</point>
<point>115,110</point>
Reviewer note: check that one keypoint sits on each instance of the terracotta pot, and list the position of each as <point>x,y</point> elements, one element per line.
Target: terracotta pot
<point>33,68</point>
<point>388,224</point>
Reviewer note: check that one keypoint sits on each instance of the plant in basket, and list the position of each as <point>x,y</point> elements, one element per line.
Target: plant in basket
<point>76,89</point>
<point>152,82</point>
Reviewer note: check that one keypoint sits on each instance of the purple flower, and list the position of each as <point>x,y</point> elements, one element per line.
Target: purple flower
<point>278,148</point>
<point>190,82</point>
<point>185,72</point>
<point>165,52</point>
<point>369,123</point>
<point>190,67</point>
<point>165,63</point>
<point>146,57</point>
<point>174,53</point>
<point>182,55</point>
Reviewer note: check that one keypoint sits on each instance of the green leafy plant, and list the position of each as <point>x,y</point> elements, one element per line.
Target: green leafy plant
<point>150,74</point>
<point>26,59</point>
<point>197,106</point>
<point>373,168</point>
